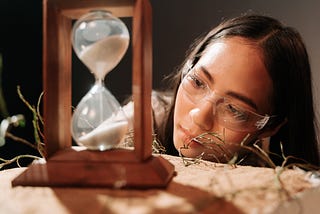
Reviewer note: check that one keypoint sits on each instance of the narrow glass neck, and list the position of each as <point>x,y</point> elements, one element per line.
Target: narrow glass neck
<point>99,82</point>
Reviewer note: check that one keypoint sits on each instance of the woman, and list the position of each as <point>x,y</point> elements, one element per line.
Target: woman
<point>245,85</point>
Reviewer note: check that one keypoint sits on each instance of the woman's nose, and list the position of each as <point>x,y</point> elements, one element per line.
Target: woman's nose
<point>203,115</point>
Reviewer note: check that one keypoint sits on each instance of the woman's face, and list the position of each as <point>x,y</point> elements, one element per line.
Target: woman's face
<point>231,68</point>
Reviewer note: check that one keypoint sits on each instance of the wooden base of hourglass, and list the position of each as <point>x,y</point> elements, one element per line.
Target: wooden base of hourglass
<point>71,168</point>
<point>66,166</point>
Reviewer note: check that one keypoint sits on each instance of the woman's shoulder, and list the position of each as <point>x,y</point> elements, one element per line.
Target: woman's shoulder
<point>161,103</point>
<point>161,98</point>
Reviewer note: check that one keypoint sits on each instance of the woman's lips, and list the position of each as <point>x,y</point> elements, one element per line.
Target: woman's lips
<point>194,141</point>
<point>194,144</point>
<point>188,139</point>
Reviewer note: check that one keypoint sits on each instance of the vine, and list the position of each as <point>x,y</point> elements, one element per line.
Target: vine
<point>37,123</point>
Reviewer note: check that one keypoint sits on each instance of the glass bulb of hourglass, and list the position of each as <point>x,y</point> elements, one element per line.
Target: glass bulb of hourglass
<point>100,40</point>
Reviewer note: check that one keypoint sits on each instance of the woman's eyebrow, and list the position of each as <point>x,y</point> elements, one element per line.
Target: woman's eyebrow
<point>242,98</point>
<point>206,73</point>
<point>233,94</point>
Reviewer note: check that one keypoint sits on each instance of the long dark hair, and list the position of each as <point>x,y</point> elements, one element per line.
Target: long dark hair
<point>287,62</point>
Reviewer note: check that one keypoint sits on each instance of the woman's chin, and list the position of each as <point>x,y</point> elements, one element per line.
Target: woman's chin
<point>196,150</point>
<point>203,154</point>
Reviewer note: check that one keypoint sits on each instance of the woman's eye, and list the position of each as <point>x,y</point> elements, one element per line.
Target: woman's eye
<point>237,113</point>
<point>196,82</point>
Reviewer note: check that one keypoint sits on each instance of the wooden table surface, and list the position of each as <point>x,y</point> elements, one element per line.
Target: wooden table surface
<point>205,187</point>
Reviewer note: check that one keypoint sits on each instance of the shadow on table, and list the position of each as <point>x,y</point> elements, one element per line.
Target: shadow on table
<point>176,198</point>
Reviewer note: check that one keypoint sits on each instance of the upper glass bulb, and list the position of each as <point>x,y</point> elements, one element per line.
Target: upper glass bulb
<point>100,40</point>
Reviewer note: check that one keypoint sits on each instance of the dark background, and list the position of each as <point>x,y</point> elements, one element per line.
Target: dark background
<point>176,24</point>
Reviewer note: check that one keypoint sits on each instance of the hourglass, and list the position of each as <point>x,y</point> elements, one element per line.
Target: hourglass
<point>92,126</point>
<point>100,40</point>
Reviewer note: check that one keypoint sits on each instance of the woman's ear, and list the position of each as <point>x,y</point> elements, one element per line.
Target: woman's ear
<point>273,130</point>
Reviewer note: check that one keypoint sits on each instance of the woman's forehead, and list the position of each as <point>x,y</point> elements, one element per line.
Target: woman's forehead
<point>237,48</point>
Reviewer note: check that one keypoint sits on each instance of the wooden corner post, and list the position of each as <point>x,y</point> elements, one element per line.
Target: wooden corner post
<point>66,166</point>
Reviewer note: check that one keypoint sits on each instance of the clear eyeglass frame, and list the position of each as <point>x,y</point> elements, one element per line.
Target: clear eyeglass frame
<point>227,113</point>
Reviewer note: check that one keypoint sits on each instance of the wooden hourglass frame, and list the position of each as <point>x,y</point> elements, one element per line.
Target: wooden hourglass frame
<point>66,166</point>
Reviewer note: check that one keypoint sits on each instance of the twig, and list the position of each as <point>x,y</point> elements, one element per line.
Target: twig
<point>16,159</point>
<point>21,140</point>
<point>36,115</point>
<point>157,147</point>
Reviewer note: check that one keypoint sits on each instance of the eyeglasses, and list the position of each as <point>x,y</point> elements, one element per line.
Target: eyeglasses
<point>226,112</point>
